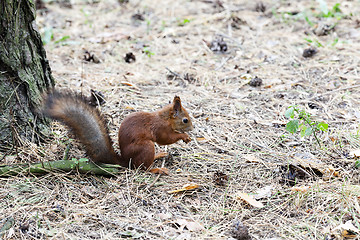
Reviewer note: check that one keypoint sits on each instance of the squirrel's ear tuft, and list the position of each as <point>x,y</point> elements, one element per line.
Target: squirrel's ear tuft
<point>176,105</point>
<point>177,100</point>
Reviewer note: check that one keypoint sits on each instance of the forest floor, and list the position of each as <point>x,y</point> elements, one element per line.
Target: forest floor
<point>237,66</point>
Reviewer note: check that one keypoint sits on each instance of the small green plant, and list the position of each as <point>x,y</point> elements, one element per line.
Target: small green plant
<point>315,41</point>
<point>148,26</point>
<point>311,24</point>
<point>183,22</point>
<point>63,39</point>
<point>325,12</point>
<point>336,40</point>
<point>147,51</point>
<point>48,35</point>
<point>87,19</point>
<point>357,164</point>
<point>301,120</point>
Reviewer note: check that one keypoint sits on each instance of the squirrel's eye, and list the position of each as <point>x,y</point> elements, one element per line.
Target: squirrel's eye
<point>185,120</point>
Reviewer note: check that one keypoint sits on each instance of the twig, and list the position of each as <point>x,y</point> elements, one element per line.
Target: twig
<point>157,177</point>
<point>336,90</point>
<point>223,63</point>
<point>153,182</point>
<point>66,153</point>
<point>174,73</point>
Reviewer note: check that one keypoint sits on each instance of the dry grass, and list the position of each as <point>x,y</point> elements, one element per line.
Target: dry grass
<point>234,122</point>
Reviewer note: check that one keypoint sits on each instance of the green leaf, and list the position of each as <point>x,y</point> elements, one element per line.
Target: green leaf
<point>308,131</point>
<point>302,132</point>
<point>305,131</point>
<point>336,8</point>
<point>62,39</point>
<point>336,40</point>
<point>292,126</point>
<point>311,25</point>
<point>303,115</point>
<point>323,7</point>
<point>182,23</point>
<point>318,44</point>
<point>48,35</point>
<point>147,51</point>
<point>323,126</point>
<point>302,128</point>
<point>357,164</point>
<point>290,112</point>
<point>308,40</point>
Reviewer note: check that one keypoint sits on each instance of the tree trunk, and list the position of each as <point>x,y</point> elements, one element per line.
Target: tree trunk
<point>24,74</point>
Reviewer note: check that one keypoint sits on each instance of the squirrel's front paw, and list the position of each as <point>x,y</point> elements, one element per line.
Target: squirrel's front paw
<point>186,139</point>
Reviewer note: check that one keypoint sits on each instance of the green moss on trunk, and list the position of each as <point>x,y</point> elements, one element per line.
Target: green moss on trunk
<point>24,74</point>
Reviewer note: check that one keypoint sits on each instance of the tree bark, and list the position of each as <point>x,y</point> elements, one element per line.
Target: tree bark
<point>24,74</point>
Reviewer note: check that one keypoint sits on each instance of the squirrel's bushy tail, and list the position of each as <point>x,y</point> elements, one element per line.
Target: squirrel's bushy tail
<point>86,123</point>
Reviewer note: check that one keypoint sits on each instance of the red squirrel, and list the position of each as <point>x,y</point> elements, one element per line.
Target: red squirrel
<point>137,132</point>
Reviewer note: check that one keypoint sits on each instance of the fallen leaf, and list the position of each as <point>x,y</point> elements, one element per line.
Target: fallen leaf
<point>251,158</point>
<point>348,230</point>
<point>246,76</point>
<point>127,84</point>
<point>264,192</point>
<point>194,226</point>
<point>200,139</point>
<point>355,153</point>
<point>184,235</point>
<point>190,225</point>
<point>316,165</point>
<point>12,158</point>
<point>186,187</point>
<point>348,234</point>
<point>164,216</point>
<point>302,189</point>
<point>163,171</point>
<point>249,199</point>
